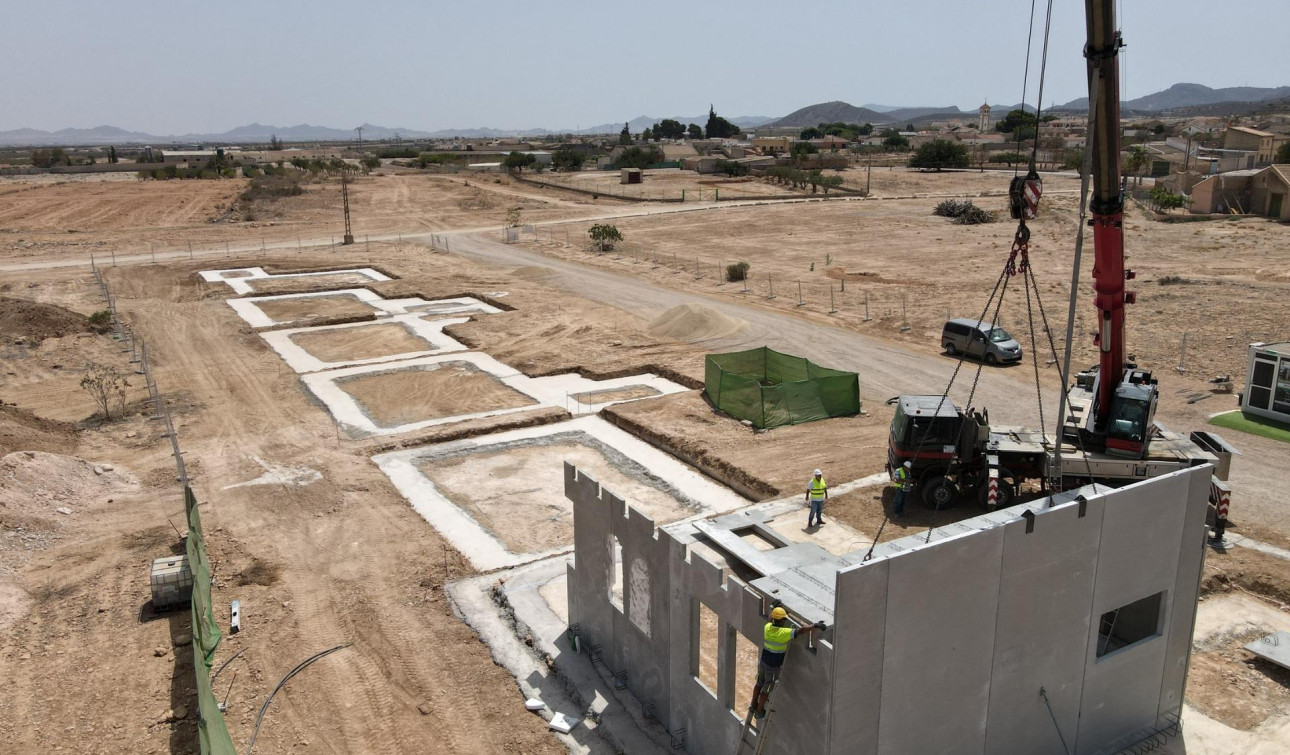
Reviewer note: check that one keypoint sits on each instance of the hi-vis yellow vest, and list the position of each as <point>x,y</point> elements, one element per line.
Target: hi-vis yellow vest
<point>777,638</point>
<point>817,488</point>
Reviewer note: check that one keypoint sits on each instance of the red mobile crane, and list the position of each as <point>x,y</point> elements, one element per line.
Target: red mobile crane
<point>1110,436</point>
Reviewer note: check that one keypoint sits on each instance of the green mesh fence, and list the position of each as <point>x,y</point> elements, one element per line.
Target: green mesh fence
<point>771,389</point>
<point>212,736</point>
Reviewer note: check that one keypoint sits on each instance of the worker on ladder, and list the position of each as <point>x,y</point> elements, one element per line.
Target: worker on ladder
<point>777,635</point>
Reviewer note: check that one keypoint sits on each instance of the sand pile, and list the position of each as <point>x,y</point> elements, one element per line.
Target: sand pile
<point>38,484</point>
<point>35,321</point>
<point>695,322</point>
<point>20,430</point>
<point>532,272</point>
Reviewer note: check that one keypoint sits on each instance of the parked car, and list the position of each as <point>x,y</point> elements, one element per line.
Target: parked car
<point>979,339</point>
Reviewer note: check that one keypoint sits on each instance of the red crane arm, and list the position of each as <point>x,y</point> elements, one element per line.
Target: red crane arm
<point>1106,205</point>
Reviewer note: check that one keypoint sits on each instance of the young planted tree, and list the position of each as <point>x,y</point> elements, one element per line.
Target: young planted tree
<point>515,217</point>
<point>516,162</point>
<point>603,237</point>
<point>107,386</point>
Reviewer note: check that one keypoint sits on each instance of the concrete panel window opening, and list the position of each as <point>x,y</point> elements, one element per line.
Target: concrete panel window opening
<point>705,659</point>
<point>616,573</point>
<point>1129,625</point>
<point>747,653</point>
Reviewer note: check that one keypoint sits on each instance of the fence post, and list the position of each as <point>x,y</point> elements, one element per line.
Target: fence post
<point>227,253</point>
<point>866,307</point>
<point>904,316</point>
<point>190,250</point>
<point>800,303</point>
<point>745,283</point>
<point>1182,355</point>
<point>770,281</point>
<point>152,249</point>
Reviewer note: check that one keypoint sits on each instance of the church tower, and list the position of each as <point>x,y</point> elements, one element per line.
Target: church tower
<point>983,124</point>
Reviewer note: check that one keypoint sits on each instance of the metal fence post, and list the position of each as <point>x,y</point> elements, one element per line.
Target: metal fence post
<point>832,308</point>
<point>800,303</point>
<point>770,282</point>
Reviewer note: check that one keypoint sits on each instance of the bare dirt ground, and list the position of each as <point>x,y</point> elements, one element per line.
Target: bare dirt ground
<point>263,286</point>
<point>615,394</point>
<point>669,183</point>
<point>346,560</point>
<point>401,397</point>
<point>301,311</point>
<point>363,342</point>
<point>500,489</point>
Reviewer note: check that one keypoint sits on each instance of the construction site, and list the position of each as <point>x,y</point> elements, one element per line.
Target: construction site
<point>416,462</point>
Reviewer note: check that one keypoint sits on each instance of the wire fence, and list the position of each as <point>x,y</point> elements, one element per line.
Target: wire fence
<point>213,737</point>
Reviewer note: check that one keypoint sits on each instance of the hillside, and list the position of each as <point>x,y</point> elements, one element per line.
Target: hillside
<point>1181,96</point>
<point>830,112</point>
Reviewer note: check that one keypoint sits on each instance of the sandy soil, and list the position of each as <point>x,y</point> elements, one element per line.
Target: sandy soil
<point>669,183</point>
<point>306,308</point>
<point>615,394</point>
<point>908,260</point>
<point>401,397</point>
<point>518,494</point>
<point>364,342</point>
<point>263,286</point>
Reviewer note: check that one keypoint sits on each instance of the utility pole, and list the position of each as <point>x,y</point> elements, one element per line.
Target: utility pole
<point>344,194</point>
<point>868,171</point>
<point>360,138</point>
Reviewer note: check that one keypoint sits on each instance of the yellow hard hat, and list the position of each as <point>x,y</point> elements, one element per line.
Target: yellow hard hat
<point>778,613</point>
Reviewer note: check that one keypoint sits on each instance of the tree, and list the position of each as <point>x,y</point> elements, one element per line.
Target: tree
<point>1011,158</point>
<point>625,136</point>
<point>800,150</point>
<point>275,143</point>
<point>670,129</point>
<point>567,159</point>
<point>939,154</point>
<point>515,217</point>
<point>720,128</point>
<point>810,133</point>
<point>516,162</point>
<point>737,271</point>
<point>112,154</point>
<point>107,387</point>
<point>1015,119</point>
<point>1283,154</point>
<point>832,181</point>
<point>372,162</point>
<point>1166,200</point>
<point>639,157</point>
<point>1138,159</point>
<point>892,139</point>
<point>604,236</point>
<point>732,168</point>
<point>695,131</point>
<point>1074,160</point>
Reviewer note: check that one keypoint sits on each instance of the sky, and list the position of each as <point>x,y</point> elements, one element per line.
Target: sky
<point>181,66</point>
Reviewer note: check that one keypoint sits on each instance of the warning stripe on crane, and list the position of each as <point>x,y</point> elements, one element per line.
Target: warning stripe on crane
<point>1031,194</point>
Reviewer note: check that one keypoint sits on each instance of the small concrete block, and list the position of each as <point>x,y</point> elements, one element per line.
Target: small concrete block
<point>562,723</point>
<point>534,704</point>
<point>1274,648</point>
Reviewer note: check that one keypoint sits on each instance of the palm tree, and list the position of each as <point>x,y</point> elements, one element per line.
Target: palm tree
<point>1139,158</point>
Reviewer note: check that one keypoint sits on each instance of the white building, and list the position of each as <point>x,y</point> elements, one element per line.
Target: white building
<point>1267,384</point>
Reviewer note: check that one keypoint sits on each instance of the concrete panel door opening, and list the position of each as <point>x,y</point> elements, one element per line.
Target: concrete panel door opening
<point>1128,625</point>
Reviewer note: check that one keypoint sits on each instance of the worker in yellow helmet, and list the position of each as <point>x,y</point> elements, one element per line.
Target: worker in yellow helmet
<point>817,492</point>
<point>777,634</point>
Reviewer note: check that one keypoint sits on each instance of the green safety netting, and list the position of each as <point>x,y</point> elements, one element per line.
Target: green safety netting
<point>771,389</point>
<point>212,735</point>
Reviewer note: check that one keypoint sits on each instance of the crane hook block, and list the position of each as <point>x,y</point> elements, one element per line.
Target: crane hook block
<point>1023,196</point>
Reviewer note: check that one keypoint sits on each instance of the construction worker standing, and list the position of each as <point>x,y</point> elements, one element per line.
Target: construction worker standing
<point>817,492</point>
<point>777,635</point>
<point>903,483</point>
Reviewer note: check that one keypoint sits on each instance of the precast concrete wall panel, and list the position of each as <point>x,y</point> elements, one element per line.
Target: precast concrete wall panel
<point>1181,623</point>
<point>859,638</point>
<point>1045,590</point>
<point>941,617</point>
<point>1139,556</point>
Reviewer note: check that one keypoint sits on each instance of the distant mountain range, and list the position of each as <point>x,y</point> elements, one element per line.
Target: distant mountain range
<point>1181,96</point>
<point>1179,99</point>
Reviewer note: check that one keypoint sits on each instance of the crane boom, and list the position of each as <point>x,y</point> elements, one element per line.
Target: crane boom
<point>1107,202</point>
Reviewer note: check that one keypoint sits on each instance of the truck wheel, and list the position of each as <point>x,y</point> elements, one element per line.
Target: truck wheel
<point>991,359</point>
<point>939,492</point>
<point>1003,497</point>
<point>949,349</point>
